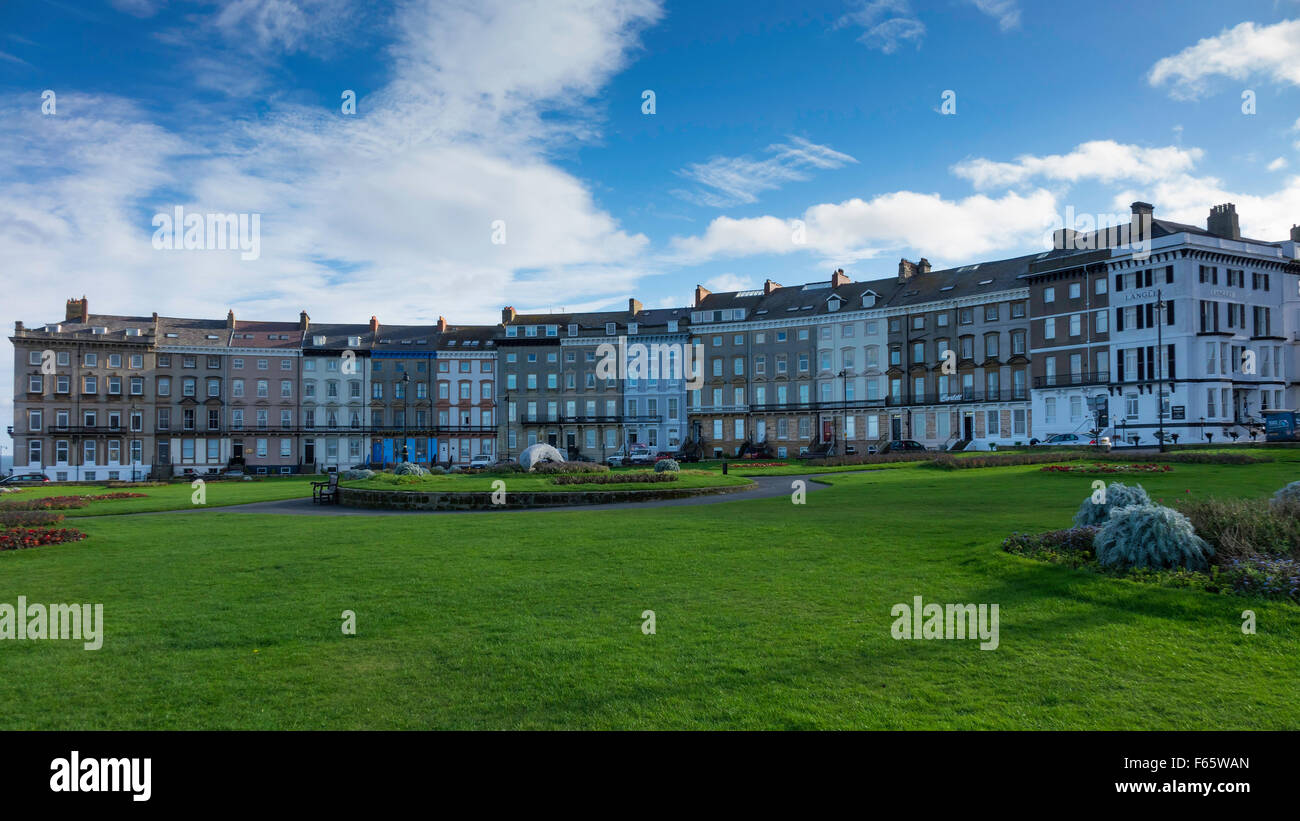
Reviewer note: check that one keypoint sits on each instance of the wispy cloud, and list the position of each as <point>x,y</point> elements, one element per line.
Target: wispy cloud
<point>1006,12</point>
<point>728,181</point>
<point>1238,53</point>
<point>1101,160</point>
<point>887,24</point>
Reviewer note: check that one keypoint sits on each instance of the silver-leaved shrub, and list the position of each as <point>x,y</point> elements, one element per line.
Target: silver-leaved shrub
<point>1151,536</point>
<point>1118,494</point>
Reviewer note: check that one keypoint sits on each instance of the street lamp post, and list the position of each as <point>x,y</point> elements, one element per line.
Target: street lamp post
<point>406,404</point>
<point>844,409</point>
<point>130,423</point>
<point>507,425</point>
<point>1160,368</point>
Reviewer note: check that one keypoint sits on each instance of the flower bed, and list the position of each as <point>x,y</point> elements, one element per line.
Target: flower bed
<point>66,502</point>
<point>29,518</point>
<point>21,538</point>
<point>1101,467</point>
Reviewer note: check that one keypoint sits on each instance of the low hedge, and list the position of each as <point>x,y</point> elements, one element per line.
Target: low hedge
<point>29,518</point>
<point>570,467</point>
<point>615,478</point>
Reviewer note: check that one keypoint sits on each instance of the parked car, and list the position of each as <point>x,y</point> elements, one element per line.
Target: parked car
<point>641,456</point>
<point>1067,440</point>
<point>900,445</point>
<point>25,479</point>
<point>234,473</point>
<point>483,460</point>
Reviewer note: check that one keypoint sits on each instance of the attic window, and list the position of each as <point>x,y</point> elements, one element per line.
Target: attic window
<point>318,340</point>
<point>99,330</point>
<point>793,308</point>
<point>212,336</point>
<point>172,336</point>
<point>451,343</point>
<point>761,311</point>
<point>986,282</point>
<point>421,341</point>
<point>132,331</point>
<point>946,288</point>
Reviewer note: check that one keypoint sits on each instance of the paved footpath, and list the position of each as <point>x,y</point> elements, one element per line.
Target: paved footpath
<point>765,487</point>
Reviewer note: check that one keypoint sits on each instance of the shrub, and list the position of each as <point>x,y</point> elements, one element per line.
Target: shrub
<point>570,467</point>
<point>28,518</point>
<point>410,469</point>
<point>1118,495</point>
<point>615,478</point>
<point>1243,528</point>
<point>436,470</point>
<point>21,538</point>
<point>358,473</point>
<point>667,465</point>
<point>1263,576</point>
<point>508,467</point>
<point>1150,536</point>
<point>1071,547</point>
<point>1289,495</point>
<point>868,459</point>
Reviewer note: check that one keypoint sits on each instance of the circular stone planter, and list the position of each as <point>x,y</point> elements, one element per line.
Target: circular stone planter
<point>482,499</point>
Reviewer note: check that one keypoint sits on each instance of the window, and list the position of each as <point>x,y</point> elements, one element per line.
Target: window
<point>1100,283</point>
<point>1076,324</point>
<point>1049,328</point>
<point>1049,295</point>
<point>1075,290</point>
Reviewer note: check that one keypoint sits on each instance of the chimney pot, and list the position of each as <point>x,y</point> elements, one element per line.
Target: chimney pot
<point>1223,221</point>
<point>78,310</point>
<point>923,267</point>
<point>906,270</point>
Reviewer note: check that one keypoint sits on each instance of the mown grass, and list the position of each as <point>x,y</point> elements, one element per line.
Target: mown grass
<point>178,496</point>
<point>769,615</point>
<point>533,482</point>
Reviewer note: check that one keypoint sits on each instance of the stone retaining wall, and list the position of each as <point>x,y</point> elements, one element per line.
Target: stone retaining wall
<point>482,500</point>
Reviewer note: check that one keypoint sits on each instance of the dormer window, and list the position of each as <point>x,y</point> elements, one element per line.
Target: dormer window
<point>610,328</point>
<point>868,300</point>
<point>631,328</point>
<point>318,340</point>
<point>833,304</point>
<point>672,326</point>
<point>573,329</point>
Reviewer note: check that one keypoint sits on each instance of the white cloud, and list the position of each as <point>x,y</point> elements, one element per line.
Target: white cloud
<point>730,282</point>
<point>1278,164</point>
<point>858,229</point>
<point>1006,12</point>
<point>738,180</point>
<point>1238,53</point>
<point>1102,160</point>
<point>388,212</point>
<point>888,24</point>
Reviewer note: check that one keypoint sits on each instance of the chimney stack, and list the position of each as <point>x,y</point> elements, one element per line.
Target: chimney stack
<point>633,307</point>
<point>508,315</point>
<point>304,321</point>
<point>1223,222</point>
<point>923,267</point>
<point>374,324</point>
<point>906,270</point>
<point>78,310</point>
<point>1140,222</point>
<point>1295,233</point>
<point>230,318</point>
<point>839,278</point>
<point>769,286</point>
<point>18,326</point>
<point>700,293</point>
<point>442,325</point>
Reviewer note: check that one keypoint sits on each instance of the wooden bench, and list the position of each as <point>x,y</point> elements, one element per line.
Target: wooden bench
<point>326,492</point>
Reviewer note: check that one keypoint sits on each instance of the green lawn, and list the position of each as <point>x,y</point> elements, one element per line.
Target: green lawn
<point>179,496</point>
<point>769,615</point>
<point>524,482</point>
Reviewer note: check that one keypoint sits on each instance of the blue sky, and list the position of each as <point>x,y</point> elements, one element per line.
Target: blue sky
<point>531,113</point>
